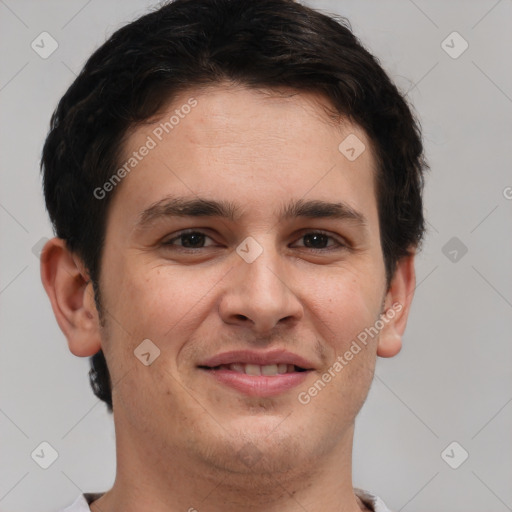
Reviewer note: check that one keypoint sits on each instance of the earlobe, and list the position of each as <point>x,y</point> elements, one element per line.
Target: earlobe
<point>72,298</point>
<point>397,306</point>
<point>389,345</point>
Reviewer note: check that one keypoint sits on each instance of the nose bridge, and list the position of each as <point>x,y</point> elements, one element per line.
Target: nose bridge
<point>260,270</point>
<point>258,292</point>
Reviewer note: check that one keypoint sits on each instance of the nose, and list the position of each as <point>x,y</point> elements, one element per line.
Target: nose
<point>260,295</point>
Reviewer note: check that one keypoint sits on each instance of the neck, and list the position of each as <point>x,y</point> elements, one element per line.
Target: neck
<point>169,479</point>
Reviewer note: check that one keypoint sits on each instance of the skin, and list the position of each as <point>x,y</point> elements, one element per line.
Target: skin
<point>178,431</point>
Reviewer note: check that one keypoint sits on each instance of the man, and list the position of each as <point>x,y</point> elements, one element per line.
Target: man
<point>236,192</point>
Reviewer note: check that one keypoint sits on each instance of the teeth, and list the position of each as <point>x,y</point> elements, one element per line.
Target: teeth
<point>256,369</point>
<point>253,369</point>
<point>269,369</point>
<point>236,367</point>
<point>281,368</point>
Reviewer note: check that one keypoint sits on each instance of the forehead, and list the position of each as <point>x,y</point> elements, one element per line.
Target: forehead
<point>251,147</point>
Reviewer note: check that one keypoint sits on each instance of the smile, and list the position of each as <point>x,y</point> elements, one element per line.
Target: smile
<point>255,380</point>
<point>256,369</point>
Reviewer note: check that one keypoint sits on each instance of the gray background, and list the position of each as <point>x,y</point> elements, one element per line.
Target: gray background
<point>452,380</point>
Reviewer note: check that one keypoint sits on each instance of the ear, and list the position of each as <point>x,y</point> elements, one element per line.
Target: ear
<point>72,297</point>
<point>397,305</point>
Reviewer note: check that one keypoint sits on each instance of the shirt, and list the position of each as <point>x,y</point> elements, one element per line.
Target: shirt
<point>81,504</point>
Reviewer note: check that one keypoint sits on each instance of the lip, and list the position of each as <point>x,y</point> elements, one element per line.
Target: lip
<point>276,356</point>
<point>258,385</point>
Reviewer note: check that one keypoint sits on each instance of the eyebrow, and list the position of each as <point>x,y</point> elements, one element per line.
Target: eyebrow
<point>201,207</point>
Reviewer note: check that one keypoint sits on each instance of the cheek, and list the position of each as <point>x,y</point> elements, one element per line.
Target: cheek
<point>343,303</point>
<point>344,306</point>
<point>153,307</point>
<point>160,300</point>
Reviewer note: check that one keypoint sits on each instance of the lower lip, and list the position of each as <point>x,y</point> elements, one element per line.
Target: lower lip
<point>259,385</point>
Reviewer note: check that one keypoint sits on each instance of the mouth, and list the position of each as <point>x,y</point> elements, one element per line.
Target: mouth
<point>268,370</point>
<point>257,381</point>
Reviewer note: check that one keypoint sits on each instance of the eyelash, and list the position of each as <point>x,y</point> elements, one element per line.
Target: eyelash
<point>168,243</point>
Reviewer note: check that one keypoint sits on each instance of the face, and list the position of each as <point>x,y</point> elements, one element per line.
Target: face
<point>243,229</point>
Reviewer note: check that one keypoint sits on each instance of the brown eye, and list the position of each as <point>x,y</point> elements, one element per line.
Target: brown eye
<point>316,240</point>
<point>188,240</point>
<point>320,241</point>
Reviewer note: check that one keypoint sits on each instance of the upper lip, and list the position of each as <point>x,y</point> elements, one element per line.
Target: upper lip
<point>259,358</point>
